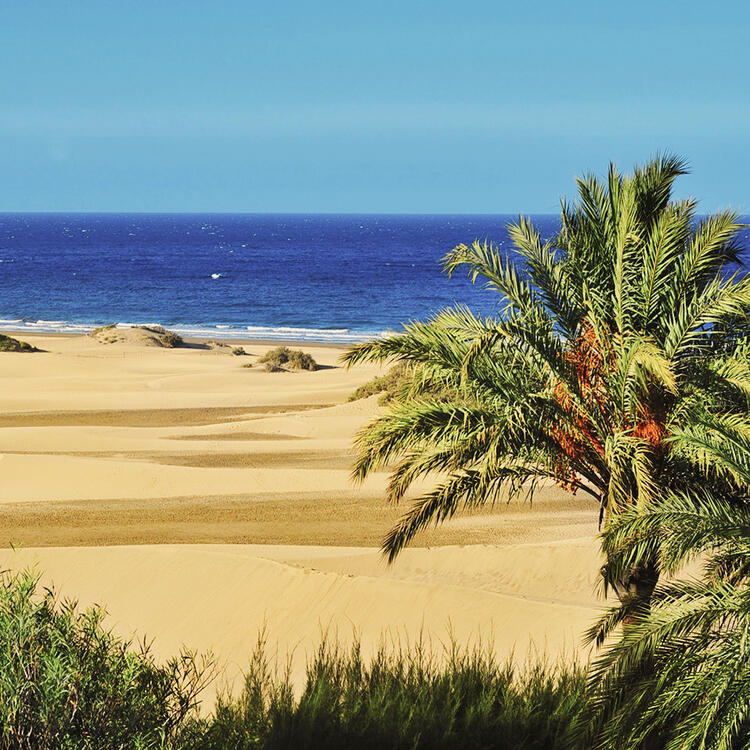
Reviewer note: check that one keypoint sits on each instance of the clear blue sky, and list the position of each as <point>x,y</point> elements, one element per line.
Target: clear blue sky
<point>378,106</point>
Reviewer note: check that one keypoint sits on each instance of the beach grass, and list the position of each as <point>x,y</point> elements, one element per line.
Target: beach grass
<point>67,681</point>
<point>169,339</point>
<point>401,382</point>
<point>399,699</point>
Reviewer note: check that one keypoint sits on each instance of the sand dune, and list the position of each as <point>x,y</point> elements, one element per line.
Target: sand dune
<point>36,477</point>
<point>198,499</point>
<point>221,596</point>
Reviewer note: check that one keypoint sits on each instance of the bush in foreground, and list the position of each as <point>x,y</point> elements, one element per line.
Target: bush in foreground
<point>9,344</point>
<point>403,700</point>
<point>284,359</point>
<point>66,682</point>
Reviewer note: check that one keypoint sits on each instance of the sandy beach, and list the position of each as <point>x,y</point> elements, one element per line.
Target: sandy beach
<point>198,500</point>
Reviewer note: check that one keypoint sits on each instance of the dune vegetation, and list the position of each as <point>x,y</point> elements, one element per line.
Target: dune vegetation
<point>401,382</point>
<point>66,682</point>
<point>397,700</point>
<point>387,386</point>
<point>169,339</point>
<point>284,359</point>
<point>9,344</point>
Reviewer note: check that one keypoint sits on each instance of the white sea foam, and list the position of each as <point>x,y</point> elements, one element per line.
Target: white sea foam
<point>217,331</point>
<point>133,325</point>
<point>43,326</point>
<point>298,330</point>
<point>333,335</point>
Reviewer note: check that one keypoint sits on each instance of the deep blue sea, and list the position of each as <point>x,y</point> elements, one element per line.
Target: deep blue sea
<point>318,278</point>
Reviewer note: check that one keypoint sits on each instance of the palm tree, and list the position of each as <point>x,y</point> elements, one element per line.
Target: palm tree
<point>616,363</point>
<point>694,639</point>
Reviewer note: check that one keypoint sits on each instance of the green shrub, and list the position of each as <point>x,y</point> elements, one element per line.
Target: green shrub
<point>239,351</point>
<point>401,381</point>
<point>389,385</point>
<point>284,359</point>
<point>101,329</point>
<point>8,344</point>
<point>170,339</point>
<point>399,700</point>
<point>66,682</point>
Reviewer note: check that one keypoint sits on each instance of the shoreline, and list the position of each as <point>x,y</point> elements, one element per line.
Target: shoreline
<point>221,332</point>
<point>249,341</point>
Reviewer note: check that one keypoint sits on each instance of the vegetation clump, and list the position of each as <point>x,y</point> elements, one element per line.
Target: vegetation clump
<point>169,339</point>
<point>239,351</point>
<point>284,359</point>
<point>397,700</point>
<point>388,385</point>
<point>403,381</point>
<point>9,344</point>
<point>67,682</point>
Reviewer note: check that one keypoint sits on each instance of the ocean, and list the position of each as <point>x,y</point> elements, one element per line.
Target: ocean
<point>267,276</point>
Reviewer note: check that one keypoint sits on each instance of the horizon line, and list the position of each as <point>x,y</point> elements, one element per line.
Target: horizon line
<point>275,213</point>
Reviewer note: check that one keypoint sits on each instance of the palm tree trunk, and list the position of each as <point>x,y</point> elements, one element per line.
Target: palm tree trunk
<point>634,589</point>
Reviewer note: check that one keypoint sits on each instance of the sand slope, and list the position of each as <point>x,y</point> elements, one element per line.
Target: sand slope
<point>127,444</point>
<point>199,500</point>
<point>219,597</point>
